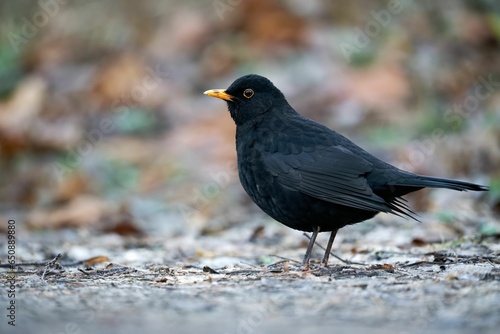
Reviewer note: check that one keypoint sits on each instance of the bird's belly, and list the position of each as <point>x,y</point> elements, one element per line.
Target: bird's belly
<point>291,207</point>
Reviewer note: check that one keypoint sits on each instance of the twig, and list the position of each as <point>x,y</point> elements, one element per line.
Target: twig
<point>492,263</point>
<point>52,264</point>
<point>249,264</point>
<point>83,271</point>
<point>418,263</point>
<point>473,259</point>
<point>21,264</point>
<point>247,272</point>
<point>44,263</point>
<point>106,272</point>
<point>112,271</point>
<point>284,258</point>
<point>276,263</point>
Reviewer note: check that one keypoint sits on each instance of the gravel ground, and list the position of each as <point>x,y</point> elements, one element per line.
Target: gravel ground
<point>212,284</point>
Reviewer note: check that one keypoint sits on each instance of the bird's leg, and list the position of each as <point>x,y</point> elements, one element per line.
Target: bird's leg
<point>328,248</point>
<point>305,262</point>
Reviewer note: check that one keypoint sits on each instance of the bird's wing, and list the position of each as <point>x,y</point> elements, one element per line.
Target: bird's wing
<point>333,174</point>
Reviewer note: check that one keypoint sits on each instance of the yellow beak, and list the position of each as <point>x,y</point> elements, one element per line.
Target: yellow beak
<point>220,94</point>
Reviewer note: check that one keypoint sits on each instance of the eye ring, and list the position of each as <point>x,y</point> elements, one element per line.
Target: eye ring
<point>248,93</point>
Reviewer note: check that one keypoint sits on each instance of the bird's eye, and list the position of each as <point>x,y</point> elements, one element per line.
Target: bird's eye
<point>248,93</point>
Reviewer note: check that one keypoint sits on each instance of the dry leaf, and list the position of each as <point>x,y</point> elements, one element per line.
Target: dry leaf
<point>81,211</point>
<point>384,266</point>
<point>18,113</point>
<point>125,228</point>
<point>94,260</point>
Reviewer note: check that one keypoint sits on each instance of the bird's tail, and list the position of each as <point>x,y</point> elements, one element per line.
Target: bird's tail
<point>437,182</point>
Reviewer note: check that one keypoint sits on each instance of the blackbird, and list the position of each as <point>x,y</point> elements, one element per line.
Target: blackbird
<point>307,176</point>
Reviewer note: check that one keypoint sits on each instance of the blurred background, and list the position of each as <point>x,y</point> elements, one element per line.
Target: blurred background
<point>104,128</point>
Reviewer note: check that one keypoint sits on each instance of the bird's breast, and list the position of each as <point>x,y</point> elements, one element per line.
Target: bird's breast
<point>254,177</point>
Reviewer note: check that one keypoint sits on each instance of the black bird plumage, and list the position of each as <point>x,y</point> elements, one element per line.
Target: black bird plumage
<point>307,176</point>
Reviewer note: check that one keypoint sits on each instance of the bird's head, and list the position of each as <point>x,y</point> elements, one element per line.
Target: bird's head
<point>249,97</point>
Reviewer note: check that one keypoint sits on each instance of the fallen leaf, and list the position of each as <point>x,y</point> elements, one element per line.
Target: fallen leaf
<point>385,266</point>
<point>81,211</point>
<point>125,228</point>
<point>18,112</point>
<point>418,242</point>
<point>94,260</point>
<point>257,233</point>
<point>207,269</point>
